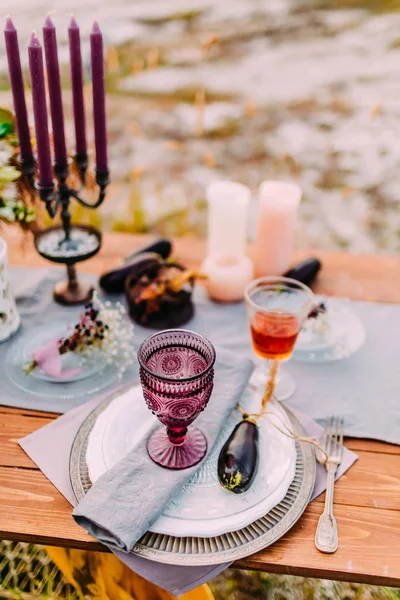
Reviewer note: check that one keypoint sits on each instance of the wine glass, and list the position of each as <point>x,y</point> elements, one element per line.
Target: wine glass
<point>276,308</point>
<point>177,374</point>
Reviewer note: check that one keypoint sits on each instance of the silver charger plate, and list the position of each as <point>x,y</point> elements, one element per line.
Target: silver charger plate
<point>196,551</point>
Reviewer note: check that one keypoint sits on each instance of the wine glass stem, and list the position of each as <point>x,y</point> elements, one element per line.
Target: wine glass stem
<point>271,381</point>
<point>177,435</point>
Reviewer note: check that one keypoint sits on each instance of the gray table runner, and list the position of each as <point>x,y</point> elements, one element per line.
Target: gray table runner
<point>364,388</point>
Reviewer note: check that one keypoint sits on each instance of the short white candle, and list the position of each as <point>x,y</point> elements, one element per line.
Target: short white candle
<point>228,277</point>
<point>228,205</point>
<point>278,209</point>
<point>227,267</point>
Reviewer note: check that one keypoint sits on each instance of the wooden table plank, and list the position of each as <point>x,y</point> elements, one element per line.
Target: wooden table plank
<point>366,499</point>
<point>373,481</point>
<point>33,510</point>
<point>369,549</point>
<point>11,430</point>
<point>359,445</point>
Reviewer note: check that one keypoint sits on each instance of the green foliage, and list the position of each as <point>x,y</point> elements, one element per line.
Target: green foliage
<point>12,206</point>
<point>6,122</point>
<point>8,173</point>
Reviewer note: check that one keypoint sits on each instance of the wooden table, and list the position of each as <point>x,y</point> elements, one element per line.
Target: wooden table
<point>367,499</point>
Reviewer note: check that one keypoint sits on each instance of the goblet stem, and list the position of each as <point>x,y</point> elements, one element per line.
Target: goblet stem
<point>177,435</point>
<point>170,455</point>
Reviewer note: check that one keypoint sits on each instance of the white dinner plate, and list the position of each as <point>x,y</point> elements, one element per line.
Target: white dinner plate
<point>203,508</point>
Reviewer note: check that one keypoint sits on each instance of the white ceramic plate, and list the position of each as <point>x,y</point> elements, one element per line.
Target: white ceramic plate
<point>203,508</point>
<point>339,335</point>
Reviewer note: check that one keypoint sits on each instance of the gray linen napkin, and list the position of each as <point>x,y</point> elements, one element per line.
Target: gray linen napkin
<point>125,501</point>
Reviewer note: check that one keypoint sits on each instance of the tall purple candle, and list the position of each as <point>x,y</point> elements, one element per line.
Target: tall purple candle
<point>99,98</point>
<point>17,87</point>
<point>54,85</point>
<point>77,87</point>
<point>40,111</point>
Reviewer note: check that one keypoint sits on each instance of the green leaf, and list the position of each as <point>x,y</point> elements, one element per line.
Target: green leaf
<point>5,129</point>
<point>9,173</point>
<point>7,122</point>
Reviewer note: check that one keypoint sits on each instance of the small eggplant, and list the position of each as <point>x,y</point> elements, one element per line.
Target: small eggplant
<point>306,271</point>
<point>238,459</point>
<point>113,281</point>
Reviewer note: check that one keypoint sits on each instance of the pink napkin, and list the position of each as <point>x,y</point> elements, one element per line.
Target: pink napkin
<point>48,359</point>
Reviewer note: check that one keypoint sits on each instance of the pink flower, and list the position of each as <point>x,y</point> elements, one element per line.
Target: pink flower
<point>48,358</point>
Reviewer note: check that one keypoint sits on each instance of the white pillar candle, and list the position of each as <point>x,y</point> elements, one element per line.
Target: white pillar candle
<point>228,205</point>
<point>227,267</point>
<point>228,277</point>
<point>9,317</point>
<point>278,209</point>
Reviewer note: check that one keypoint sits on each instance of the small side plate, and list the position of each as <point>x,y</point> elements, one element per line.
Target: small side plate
<point>338,335</point>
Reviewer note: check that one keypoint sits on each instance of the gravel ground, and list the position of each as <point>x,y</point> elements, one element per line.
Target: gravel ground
<point>249,89</point>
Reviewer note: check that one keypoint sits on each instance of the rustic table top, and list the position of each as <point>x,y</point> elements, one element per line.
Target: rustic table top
<point>367,498</point>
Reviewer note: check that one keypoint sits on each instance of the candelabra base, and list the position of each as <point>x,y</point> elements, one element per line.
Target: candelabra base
<point>70,293</point>
<point>82,242</point>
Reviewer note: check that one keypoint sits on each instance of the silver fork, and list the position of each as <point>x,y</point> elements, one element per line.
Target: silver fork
<point>326,537</point>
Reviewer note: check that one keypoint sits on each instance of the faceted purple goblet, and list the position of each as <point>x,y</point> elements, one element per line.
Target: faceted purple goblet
<point>177,374</point>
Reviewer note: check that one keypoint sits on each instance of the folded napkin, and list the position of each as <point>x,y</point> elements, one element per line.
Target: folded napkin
<point>126,500</point>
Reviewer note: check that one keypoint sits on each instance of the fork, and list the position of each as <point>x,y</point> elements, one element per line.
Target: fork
<point>326,537</point>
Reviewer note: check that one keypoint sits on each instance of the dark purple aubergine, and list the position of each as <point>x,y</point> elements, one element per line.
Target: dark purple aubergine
<point>306,271</point>
<point>238,459</point>
<point>113,281</point>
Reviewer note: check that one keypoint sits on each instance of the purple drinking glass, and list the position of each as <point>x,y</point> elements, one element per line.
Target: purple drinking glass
<point>177,374</point>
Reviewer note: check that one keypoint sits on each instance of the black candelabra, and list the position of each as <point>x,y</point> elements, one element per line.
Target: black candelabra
<point>67,244</point>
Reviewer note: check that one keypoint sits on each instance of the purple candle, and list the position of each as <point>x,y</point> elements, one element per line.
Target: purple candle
<point>17,87</point>
<point>99,98</point>
<point>40,111</point>
<point>54,85</point>
<point>77,87</point>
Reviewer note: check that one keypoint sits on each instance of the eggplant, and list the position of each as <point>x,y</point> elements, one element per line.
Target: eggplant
<point>238,459</point>
<point>113,281</point>
<point>306,271</point>
<point>163,247</point>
